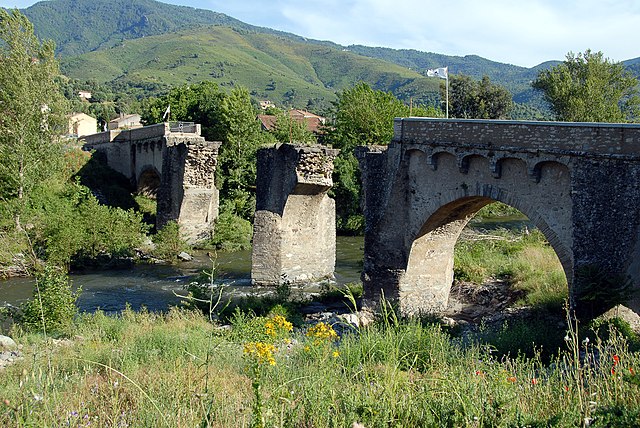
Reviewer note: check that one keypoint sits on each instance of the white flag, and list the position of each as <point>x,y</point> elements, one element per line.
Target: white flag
<point>167,112</point>
<point>438,72</point>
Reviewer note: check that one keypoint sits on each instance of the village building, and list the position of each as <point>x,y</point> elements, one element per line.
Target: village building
<point>125,121</point>
<point>314,122</point>
<point>81,124</point>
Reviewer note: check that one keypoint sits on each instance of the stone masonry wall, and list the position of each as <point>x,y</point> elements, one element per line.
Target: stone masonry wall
<point>578,183</point>
<point>294,225</point>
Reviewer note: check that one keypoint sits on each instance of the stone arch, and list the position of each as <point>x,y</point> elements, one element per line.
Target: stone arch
<point>548,169</point>
<point>428,277</point>
<point>148,182</point>
<point>468,162</point>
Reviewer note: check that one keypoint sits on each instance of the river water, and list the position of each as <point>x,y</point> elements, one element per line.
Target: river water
<point>155,286</point>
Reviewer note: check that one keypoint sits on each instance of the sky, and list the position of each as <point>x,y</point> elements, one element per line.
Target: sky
<point>524,32</point>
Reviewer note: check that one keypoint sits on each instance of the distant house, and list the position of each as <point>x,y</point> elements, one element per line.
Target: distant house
<point>85,95</point>
<point>314,122</point>
<point>128,121</point>
<point>81,124</point>
<point>265,104</point>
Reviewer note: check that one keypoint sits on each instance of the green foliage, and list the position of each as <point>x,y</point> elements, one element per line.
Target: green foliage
<point>200,103</point>
<point>236,170</point>
<point>290,130</point>
<point>590,88</point>
<point>362,116</point>
<point>137,369</point>
<point>71,227</point>
<point>527,262</point>
<point>169,243</point>
<point>232,232</point>
<point>32,111</point>
<point>470,99</point>
<point>53,305</point>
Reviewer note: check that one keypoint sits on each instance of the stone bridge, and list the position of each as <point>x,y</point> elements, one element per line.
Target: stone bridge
<point>579,183</point>
<point>174,164</point>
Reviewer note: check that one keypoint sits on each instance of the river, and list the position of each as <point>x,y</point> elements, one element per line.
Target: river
<point>154,286</point>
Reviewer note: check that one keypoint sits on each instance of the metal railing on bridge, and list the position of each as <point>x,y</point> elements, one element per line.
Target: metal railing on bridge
<point>185,127</point>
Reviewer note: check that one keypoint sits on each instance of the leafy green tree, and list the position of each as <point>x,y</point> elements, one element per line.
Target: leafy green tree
<point>200,103</point>
<point>589,88</point>
<point>32,111</point>
<point>290,130</point>
<point>470,99</point>
<point>363,116</point>
<point>241,138</point>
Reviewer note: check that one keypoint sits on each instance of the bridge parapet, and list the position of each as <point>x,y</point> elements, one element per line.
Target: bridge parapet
<point>524,137</point>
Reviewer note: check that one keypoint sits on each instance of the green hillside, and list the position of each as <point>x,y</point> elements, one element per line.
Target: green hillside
<point>145,46</point>
<point>273,67</point>
<point>79,26</point>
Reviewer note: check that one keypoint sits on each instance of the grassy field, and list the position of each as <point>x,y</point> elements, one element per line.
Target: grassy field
<point>181,370</point>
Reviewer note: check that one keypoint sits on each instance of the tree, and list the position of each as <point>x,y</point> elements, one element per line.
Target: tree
<point>289,130</point>
<point>362,116</point>
<point>589,88</point>
<point>198,103</point>
<point>32,111</point>
<point>470,99</point>
<point>241,137</point>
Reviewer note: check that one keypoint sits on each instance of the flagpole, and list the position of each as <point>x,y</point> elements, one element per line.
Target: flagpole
<point>447,92</point>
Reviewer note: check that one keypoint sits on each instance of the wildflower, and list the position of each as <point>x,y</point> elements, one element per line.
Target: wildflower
<point>613,371</point>
<point>479,373</point>
<point>307,349</point>
<point>616,360</point>
<point>534,381</point>
<point>566,388</point>
<point>321,332</point>
<point>277,324</point>
<point>6,402</point>
<point>631,371</point>
<point>262,352</point>
<point>336,354</point>
<point>585,342</point>
<point>511,379</point>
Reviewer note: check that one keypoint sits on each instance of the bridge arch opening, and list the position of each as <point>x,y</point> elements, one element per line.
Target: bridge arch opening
<point>447,191</point>
<point>148,182</point>
<point>432,268</point>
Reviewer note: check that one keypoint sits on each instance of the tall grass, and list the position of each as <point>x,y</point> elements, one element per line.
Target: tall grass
<point>179,370</point>
<point>526,260</point>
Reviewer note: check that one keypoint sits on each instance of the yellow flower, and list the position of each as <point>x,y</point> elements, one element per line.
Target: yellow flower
<point>277,324</point>
<point>261,352</point>
<point>336,354</point>
<point>322,331</point>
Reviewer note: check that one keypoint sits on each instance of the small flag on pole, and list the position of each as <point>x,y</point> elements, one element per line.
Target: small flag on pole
<point>167,112</point>
<point>443,73</point>
<point>438,72</point>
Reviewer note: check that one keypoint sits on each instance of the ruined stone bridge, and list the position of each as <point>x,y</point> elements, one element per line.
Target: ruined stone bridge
<point>175,164</point>
<point>579,183</point>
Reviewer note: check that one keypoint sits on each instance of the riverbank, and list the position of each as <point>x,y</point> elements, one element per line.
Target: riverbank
<point>181,370</point>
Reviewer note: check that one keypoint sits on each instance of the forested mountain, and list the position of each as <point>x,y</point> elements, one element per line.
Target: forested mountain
<point>79,26</point>
<point>152,45</point>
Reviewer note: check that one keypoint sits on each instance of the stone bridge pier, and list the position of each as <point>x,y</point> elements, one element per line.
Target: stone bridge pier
<point>175,166</point>
<point>294,230</point>
<point>579,183</point>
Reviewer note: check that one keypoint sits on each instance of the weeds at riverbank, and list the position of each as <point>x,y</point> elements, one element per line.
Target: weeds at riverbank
<point>525,260</point>
<point>178,369</point>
